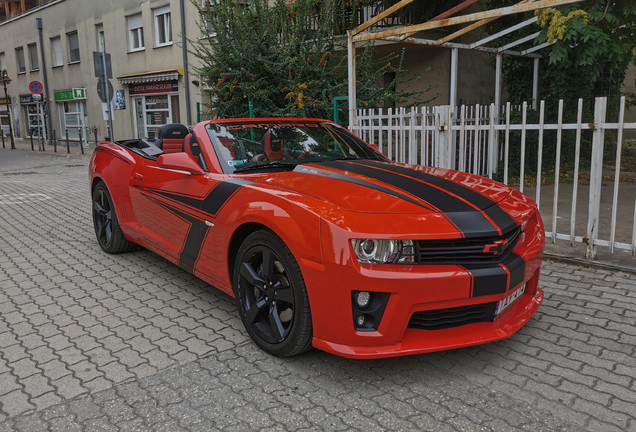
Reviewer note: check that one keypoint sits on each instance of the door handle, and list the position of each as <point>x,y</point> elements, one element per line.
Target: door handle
<point>138,176</point>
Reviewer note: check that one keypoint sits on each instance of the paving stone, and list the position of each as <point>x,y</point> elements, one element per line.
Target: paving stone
<point>92,342</point>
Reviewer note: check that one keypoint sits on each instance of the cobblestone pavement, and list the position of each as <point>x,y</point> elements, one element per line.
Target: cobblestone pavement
<point>92,342</point>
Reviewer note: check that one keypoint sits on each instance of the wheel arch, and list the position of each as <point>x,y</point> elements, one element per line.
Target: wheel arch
<point>238,237</point>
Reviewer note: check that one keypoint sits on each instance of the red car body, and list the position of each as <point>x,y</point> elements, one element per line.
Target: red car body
<point>197,220</point>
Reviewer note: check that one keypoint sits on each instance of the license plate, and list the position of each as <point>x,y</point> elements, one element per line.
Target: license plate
<point>504,304</point>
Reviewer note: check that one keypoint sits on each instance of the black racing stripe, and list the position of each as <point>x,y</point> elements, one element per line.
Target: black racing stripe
<point>218,196</point>
<point>330,174</point>
<point>488,280</point>
<point>503,220</point>
<point>113,154</point>
<point>516,265</point>
<point>470,221</point>
<point>212,202</point>
<point>194,238</point>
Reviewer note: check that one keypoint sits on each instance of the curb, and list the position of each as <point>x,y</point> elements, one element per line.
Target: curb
<point>587,263</point>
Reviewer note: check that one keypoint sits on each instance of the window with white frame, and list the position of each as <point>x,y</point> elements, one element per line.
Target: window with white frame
<point>19,54</point>
<point>207,13</point>
<point>33,57</point>
<point>73,48</point>
<point>163,26</point>
<point>136,31</point>
<point>3,62</point>
<point>56,51</point>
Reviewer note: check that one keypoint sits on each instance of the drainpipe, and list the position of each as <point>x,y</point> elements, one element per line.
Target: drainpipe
<point>186,75</point>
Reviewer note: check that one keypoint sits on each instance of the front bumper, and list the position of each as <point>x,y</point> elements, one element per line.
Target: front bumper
<point>412,288</point>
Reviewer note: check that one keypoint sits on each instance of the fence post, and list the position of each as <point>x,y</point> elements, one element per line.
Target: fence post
<point>81,144</point>
<point>32,149</point>
<point>492,156</point>
<point>443,136</point>
<point>54,141</point>
<point>68,148</point>
<point>596,174</point>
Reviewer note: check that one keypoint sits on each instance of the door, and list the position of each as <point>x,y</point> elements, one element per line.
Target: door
<point>167,206</point>
<point>140,126</point>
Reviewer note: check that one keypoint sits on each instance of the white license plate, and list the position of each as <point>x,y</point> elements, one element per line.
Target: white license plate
<point>504,304</point>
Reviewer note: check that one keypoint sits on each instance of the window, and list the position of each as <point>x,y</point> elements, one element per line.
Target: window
<point>73,48</point>
<point>56,51</point>
<point>3,62</point>
<point>19,53</point>
<point>33,57</point>
<point>163,28</point>
<point>136,28</point>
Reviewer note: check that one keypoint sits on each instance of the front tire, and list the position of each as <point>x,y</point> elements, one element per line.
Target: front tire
<point>109,235</point>
<point>271,295</point>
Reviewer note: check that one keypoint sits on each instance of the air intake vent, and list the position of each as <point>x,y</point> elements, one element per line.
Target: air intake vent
<point>454,317</point>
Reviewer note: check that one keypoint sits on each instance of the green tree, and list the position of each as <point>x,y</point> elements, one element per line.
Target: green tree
<point>283,57</point>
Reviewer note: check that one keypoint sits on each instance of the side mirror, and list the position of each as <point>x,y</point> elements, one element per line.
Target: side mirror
<point>180,162</point>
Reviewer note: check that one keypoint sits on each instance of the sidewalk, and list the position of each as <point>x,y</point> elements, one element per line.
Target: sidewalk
<point>73,150</point>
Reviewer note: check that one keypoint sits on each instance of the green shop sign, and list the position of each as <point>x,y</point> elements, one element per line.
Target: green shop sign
<point>76,93</point>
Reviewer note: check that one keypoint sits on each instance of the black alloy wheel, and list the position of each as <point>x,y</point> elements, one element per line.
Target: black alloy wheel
<point>109,235</point>
<point>271,295</point>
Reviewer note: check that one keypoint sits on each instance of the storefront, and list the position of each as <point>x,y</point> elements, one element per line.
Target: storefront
<point>71,107</point>
<point>31,110</point>
<point>154,100</point>
<point>5,117</point>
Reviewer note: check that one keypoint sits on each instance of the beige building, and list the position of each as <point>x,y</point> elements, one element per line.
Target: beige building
<point>150,80</point>
<point>144,41</point>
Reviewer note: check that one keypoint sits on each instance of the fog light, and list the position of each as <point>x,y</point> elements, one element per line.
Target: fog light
<point>361,320</point>
<point>363,298</point>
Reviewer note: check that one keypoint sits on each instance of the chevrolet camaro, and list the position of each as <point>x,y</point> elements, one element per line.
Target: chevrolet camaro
<point>321,239</point>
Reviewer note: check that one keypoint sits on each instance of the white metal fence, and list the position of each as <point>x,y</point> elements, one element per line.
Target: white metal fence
<point>481,139</point>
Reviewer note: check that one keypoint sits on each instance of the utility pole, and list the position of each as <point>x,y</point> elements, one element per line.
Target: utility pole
<point>38,24</point>
<point>4,77</point>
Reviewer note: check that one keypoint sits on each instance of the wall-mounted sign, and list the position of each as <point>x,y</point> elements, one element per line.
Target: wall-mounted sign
<point>154,87</point>
<point>65,95</point>
<point>26,99</point>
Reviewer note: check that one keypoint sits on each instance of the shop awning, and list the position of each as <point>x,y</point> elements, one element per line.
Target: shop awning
<point>146,77</point>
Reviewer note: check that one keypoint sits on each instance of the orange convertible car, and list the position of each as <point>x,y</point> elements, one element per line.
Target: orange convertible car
<point>321,239</point>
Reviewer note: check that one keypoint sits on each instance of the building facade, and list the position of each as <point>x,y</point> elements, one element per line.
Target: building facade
<point>148,85</point>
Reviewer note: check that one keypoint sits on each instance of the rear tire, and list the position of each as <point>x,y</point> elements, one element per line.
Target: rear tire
<point>109,235</point>
<point>271,295</point>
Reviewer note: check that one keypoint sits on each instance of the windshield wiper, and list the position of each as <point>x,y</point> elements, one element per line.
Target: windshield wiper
<point>271,164</point>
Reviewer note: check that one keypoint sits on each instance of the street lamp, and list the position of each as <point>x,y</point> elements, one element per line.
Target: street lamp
<point>4,77</point>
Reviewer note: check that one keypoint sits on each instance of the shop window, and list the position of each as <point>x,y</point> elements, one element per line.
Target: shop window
<point>163,26</point>
<point>33,57</point>
<point>136,30</point>
<point>73,46</point>
<point>19,53</point>
<point>56,51</point>
<point>3,62</point>
<point>73,119</point>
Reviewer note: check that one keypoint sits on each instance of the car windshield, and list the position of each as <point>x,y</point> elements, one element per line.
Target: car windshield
<point>255,146</point>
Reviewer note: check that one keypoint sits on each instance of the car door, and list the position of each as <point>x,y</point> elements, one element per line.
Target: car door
<point>167,205</point>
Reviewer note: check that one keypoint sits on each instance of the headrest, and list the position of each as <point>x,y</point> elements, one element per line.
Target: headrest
<point>173,130</point>
<point>273,146</point>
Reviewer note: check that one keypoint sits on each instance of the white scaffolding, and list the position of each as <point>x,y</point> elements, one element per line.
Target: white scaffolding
<point>404,34</point>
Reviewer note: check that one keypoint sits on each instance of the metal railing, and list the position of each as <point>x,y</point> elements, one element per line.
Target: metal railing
<point>495,142</point>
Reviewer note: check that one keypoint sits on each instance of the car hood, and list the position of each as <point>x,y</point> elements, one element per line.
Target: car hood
<point>377,187</point>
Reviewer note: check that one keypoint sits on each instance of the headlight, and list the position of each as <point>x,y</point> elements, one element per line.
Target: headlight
<point>530,220</point>
<point>384,251</point>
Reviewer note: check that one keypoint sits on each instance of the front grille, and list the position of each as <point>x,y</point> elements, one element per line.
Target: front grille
<point>454,317</point>
<point>463,251</point>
